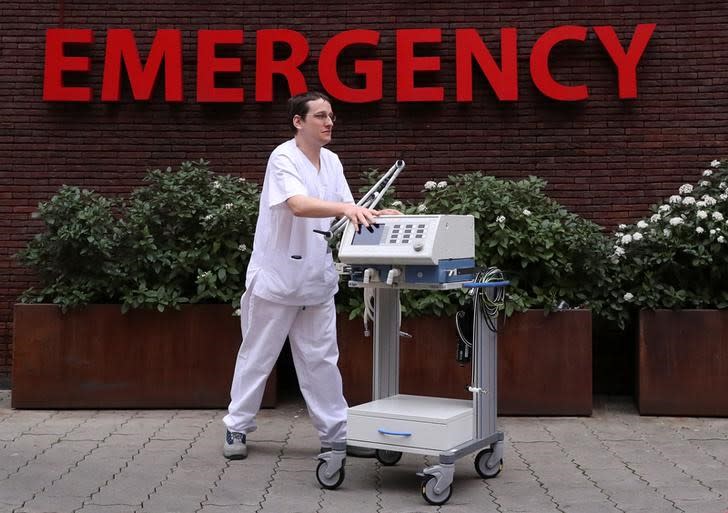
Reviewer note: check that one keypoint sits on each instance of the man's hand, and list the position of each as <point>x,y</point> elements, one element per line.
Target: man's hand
<point>360,215</point>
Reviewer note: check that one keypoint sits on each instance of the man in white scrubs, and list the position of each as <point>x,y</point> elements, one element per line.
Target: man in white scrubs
<point>291,279</point>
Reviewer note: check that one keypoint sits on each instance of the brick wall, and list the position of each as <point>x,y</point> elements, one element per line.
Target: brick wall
<point>604,158</point>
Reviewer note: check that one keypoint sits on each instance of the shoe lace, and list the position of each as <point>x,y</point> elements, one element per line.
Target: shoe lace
<point>237,436</point>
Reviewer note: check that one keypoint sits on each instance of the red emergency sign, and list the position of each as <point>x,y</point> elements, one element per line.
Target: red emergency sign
<point>166,54</point>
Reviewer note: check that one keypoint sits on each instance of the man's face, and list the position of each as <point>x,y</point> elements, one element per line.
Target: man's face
<point>318,123</point>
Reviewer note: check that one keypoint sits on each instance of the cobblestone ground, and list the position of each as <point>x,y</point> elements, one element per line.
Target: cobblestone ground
<point>169,461</point>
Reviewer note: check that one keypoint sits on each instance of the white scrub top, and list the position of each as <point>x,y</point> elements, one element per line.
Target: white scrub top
<point>291,264</point>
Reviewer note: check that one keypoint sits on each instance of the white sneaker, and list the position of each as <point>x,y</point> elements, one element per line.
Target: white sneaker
<point>234,448</point>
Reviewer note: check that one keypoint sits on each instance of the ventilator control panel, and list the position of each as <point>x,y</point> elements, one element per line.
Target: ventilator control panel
<point>409,240</point>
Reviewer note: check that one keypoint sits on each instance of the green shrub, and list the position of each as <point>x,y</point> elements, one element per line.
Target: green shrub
<point>676,258</point>
<point>184,237</point>
<point>76,257</point>
<point>552,257</point>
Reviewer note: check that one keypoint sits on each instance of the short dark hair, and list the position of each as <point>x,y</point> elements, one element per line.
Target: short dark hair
<point>298,105</point>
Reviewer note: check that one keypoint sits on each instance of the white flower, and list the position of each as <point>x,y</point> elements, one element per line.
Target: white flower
<point>500,219</point>
<point>208,217</point>
<point>717,216</point>
<point>702,214</point>
<point>227,206</point>
<point>397,204</point>
<point>712,231</point>
<point>216,184</point>
<point>704,183</point>
<point>721,239</point>
<point>715,163</point>
<point>655,218</point>
<point>666,232</point>
<point>421,207</point>
<point>242,247</point>
<point>619,235</point>
<point>688,200</point>
<point>707,172</point>
<point>619,251</point>
<point>675,198</point>
<point>685,189</point>
<point>430,185</point>
<point>700,204</point>
<point>622,226</point>
<point>205,275</point>
<point>664,208</point>
<point>709,200</point>
<point>441,185</point>
<point>626,239</point>
<point>241,179</point>
<point>699,229</point>
<point>723,196</point>
<point>526,212</point>
<point>636,236</point>
<point>642,225</point>
<point>236,313</point>
<point>722,185</point>
<point>628,296</point>
<point>676,221</point>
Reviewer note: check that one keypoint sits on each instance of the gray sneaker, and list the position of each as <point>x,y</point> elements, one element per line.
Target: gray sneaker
<point>234,448</point>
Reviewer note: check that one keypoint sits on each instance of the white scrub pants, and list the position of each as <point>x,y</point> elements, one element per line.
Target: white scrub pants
<point>311,331</point>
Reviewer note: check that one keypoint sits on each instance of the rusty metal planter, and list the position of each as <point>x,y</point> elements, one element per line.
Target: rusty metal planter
<point>544,362</point>
<point>682,363</point>
<point>97,357</point>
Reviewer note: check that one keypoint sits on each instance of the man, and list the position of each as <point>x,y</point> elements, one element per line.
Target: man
<point>291,279</point>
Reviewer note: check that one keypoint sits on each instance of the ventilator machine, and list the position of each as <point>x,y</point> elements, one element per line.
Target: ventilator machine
<point>435,252</point>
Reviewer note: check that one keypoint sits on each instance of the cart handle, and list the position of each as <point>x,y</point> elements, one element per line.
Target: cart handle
<point>393,433</point>
<point>489,284</point>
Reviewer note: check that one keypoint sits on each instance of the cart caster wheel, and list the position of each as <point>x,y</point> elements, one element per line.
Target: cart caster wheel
<point>481,465</point>
<point>429,494</point>
<point>330,483</point>
<point>388,458</point>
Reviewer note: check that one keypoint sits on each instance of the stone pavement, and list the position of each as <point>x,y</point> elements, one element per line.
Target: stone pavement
<point>169,461</point>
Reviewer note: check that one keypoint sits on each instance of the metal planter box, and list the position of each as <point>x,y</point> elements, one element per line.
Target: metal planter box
<point>97,357</point>
<point>682,363</point>
<point>544,362</point>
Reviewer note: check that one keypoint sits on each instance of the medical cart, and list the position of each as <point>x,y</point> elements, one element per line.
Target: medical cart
<point>433,252</point>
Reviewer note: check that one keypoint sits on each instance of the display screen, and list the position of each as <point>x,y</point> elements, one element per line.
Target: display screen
<point>371,236</point>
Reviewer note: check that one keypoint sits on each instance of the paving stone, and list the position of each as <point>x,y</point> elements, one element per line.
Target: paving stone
<point>521,496</point>
<point>238,508</point>
<point>358,492</point>
<point>164,461</point>
<point>52,504</point>
<point>616,479</point>
<point>103,508</point>
<point>19,422</point>
<point>573,492</point>
<point>641,499</point>
<point>240,484</point>
<point>97,427</point>
<point>184,428</point>
<point>23,450</point>
<point>588,507</point>
<point>525,430</point>
<point>293,491</point>
<point>719,506</point>
<point>141,425</point>
<point>691,492</point>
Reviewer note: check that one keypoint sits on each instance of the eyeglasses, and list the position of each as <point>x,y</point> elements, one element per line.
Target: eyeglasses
<point>321,116</point>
